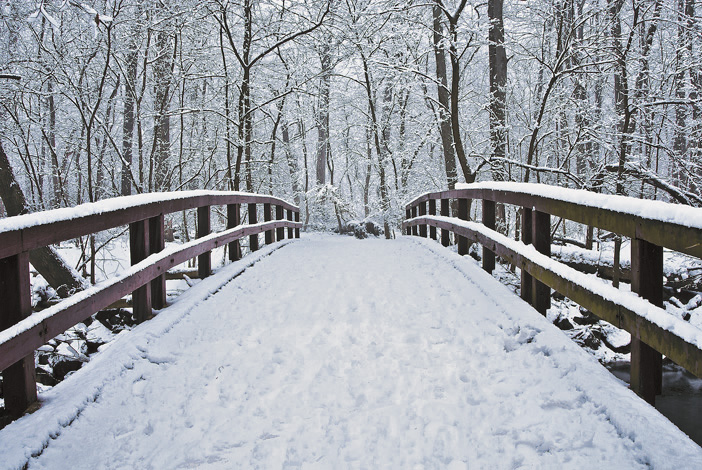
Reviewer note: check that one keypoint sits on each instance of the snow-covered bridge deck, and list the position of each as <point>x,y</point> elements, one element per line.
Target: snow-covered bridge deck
<point>343,353</point>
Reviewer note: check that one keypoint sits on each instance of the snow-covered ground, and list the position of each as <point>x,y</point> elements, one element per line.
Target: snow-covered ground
<point>344,353</point>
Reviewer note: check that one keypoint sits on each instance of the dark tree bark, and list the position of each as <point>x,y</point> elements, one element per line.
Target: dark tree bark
<point>161,148</point>
<point>292,162</point>
<point>498,80</point>
<point>468,173</point>
<point>444,106</point>
<point>45,260</point>
<point>497,59</point>
<point>323,144</point>
<point>128,121</point>
<point>379,146</point>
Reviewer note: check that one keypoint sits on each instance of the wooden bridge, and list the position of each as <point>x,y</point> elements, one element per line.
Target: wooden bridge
<point>368,315</point>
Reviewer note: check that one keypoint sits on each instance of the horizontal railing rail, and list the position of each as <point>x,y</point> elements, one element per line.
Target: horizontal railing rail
<point>23,332</point>
<point>30,231</point>
<point>651,225</point>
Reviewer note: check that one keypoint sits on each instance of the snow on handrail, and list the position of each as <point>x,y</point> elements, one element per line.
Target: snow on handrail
<point>29,231</point>
<point>673,226</point>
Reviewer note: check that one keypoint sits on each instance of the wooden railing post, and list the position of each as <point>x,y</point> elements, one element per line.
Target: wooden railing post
<point>204,261</point>
<point>280,215</point>
<point>541,239</point>
<point>139,244</point>
<point>267,217</point>
<point>19,381</point>
<point>297,219</point>
<point>647,281</point>
<point>253,219</point>
<point>445,235</point>
<point>414,227</point>
<point>527,280</point>
<point>423,211</point>
<point>234,219</point>
<point>463,215</point>
<point>408,215</point>
<point>156,244</point>
<point>489,222</point>
<point>432,211</point>
<point>290,218</point>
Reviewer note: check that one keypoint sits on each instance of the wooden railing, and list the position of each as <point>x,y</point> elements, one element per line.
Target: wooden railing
<point>23,332</point>
<point>651,225</point>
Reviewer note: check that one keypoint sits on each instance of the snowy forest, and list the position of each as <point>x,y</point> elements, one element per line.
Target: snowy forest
<point>348,108</point>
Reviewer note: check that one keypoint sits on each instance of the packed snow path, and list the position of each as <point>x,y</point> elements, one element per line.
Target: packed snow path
<point>335,353</point>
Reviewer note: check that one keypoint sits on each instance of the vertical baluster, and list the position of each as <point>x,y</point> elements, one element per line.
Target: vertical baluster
<point>139,243</point>
<point>297,219</point>
<point>19,383</point>
<point>489,222</point>
<point>445,235</point>
<point>267,216</point>
<point>290,218</point>
<point>526,284</point>
<point>541,239</point>
<point>253,219</point>
<point>647,281</point>
<point>204,261</point>
<point>414,214</point>
<point>432,211</point>
<point>233,220</point>
<point>157,243</point>
<point>423,212</point>
<point>463,215</point>
<point>279,215</point>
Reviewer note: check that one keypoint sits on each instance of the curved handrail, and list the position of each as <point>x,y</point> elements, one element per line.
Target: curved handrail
<point>669,225</point>
<point>24,337</point>
<point>652,225</point>
<point>30,231</point>
<point>144,214</point>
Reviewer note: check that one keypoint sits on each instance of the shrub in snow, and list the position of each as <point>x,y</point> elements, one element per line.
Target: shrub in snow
<point>362,229</point>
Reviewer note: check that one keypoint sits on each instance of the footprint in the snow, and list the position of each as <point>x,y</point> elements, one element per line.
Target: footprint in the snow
<point>138,386</point>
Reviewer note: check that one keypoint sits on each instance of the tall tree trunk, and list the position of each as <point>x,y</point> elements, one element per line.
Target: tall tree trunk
<point>680,138</point>
<point>384,195</point>
<point>323,143</point>
<point>292,162</point>
<point>46,261</point>
<point>498,97</point>
<point>443,96</point>
<point>468,174</point>
<point>163,74</point>
<point>128,120</point>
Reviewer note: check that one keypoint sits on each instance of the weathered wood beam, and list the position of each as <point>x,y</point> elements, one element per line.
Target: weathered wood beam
<point>139,250</point>
<point>647,281</point>
<point>676,236</point>
<point>19,385</point>
<point>204,260</point>
<point>68,223</point>
<point>233,220</point>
